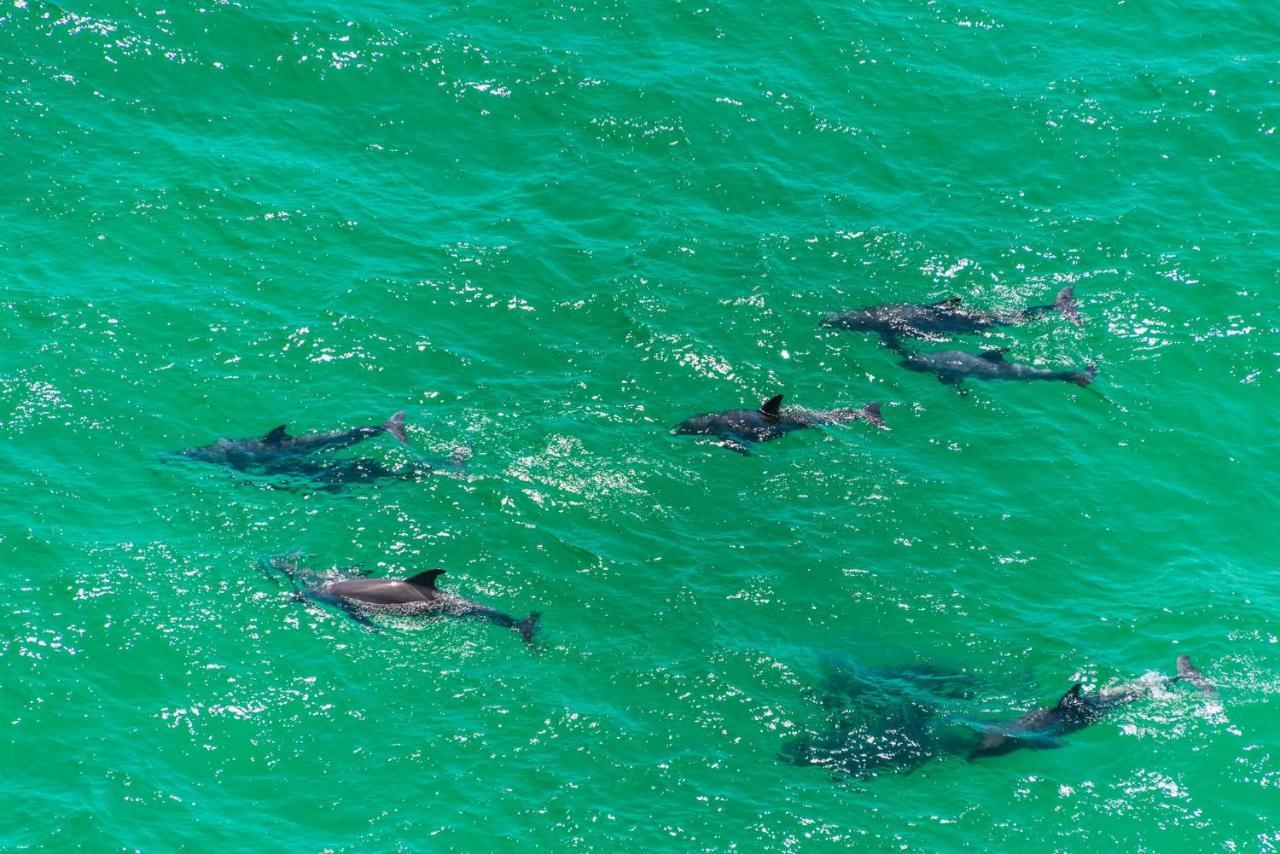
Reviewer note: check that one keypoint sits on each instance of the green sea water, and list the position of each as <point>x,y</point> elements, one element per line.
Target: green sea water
<point>550,231</point>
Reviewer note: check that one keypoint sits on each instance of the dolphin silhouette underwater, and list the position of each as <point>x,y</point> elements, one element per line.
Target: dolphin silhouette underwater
<point>739,428</point>
<point>953,367</point>
<point>1076,710</point>
<point>335,475</point>
<point>948,317</point>
<point>360,597</point>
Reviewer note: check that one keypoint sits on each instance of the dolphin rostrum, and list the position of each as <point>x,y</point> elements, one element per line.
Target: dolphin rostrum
<point>416,596</point>
<point>1076,710</point>
<point>953,367</point>
<point>939,319</point>
<point>738,428</point>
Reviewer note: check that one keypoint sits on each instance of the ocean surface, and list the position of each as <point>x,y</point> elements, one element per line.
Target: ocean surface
<point>550,232</point>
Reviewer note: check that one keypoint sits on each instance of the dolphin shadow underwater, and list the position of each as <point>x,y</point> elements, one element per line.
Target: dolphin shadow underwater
<point>899,719</point>
<point>878,718</point>
<point>935,321</point>
<point>306,457</point>
<point>737,429</point>
<point>360,597</point>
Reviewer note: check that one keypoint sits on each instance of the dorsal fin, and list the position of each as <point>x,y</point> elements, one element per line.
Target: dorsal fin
<point>425,580</point>
<point>949,302</point>
<point>994,355</point>
<point>771,407</point>
<point>276,436</point>
<point>1071,696</point>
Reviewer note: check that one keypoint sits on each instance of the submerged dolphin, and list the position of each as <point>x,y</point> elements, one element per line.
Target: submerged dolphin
<point>738,428</point>
<point>942,318</point>
<point>1041,728</point>
<point>334,475</point>
<point>953,367</point>
<point>263,454</point>
<point>416,596</point>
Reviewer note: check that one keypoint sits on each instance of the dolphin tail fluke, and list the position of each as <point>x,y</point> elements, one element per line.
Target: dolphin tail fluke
<point>1085,377</point>
<point>1065,305</point>
<point>1189,673</point>
<point>871,412</point>
<point>528,626</point>
<point>395,426</point>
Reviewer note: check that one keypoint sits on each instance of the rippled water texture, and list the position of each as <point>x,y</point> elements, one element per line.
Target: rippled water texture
<point>551,232</point>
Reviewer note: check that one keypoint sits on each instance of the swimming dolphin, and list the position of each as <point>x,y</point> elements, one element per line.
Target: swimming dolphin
<point>260,454</point>
<point>416,596</point>
<point>935,321</point>
<point>953,367</point>
<point>738,428</point>
<point>1075,710</point>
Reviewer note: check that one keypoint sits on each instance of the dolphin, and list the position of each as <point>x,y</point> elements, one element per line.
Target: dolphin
<point>939,319</point>
<point>1075,710</point>
<point>334,475</point>
<point>415,596</point>
<point>738,428</point>
<point>260,454</point>
<point>953,367</point>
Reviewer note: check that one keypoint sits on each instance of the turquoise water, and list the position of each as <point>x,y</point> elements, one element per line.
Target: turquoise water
<point>550,232</point>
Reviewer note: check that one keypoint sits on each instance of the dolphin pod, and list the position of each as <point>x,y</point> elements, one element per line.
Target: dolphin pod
<point>360,597</point>
<point>279,454</point>
<point>277,444</point>
<point>738,428</point>
<point>936,320</point>
<point>894,718</point>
